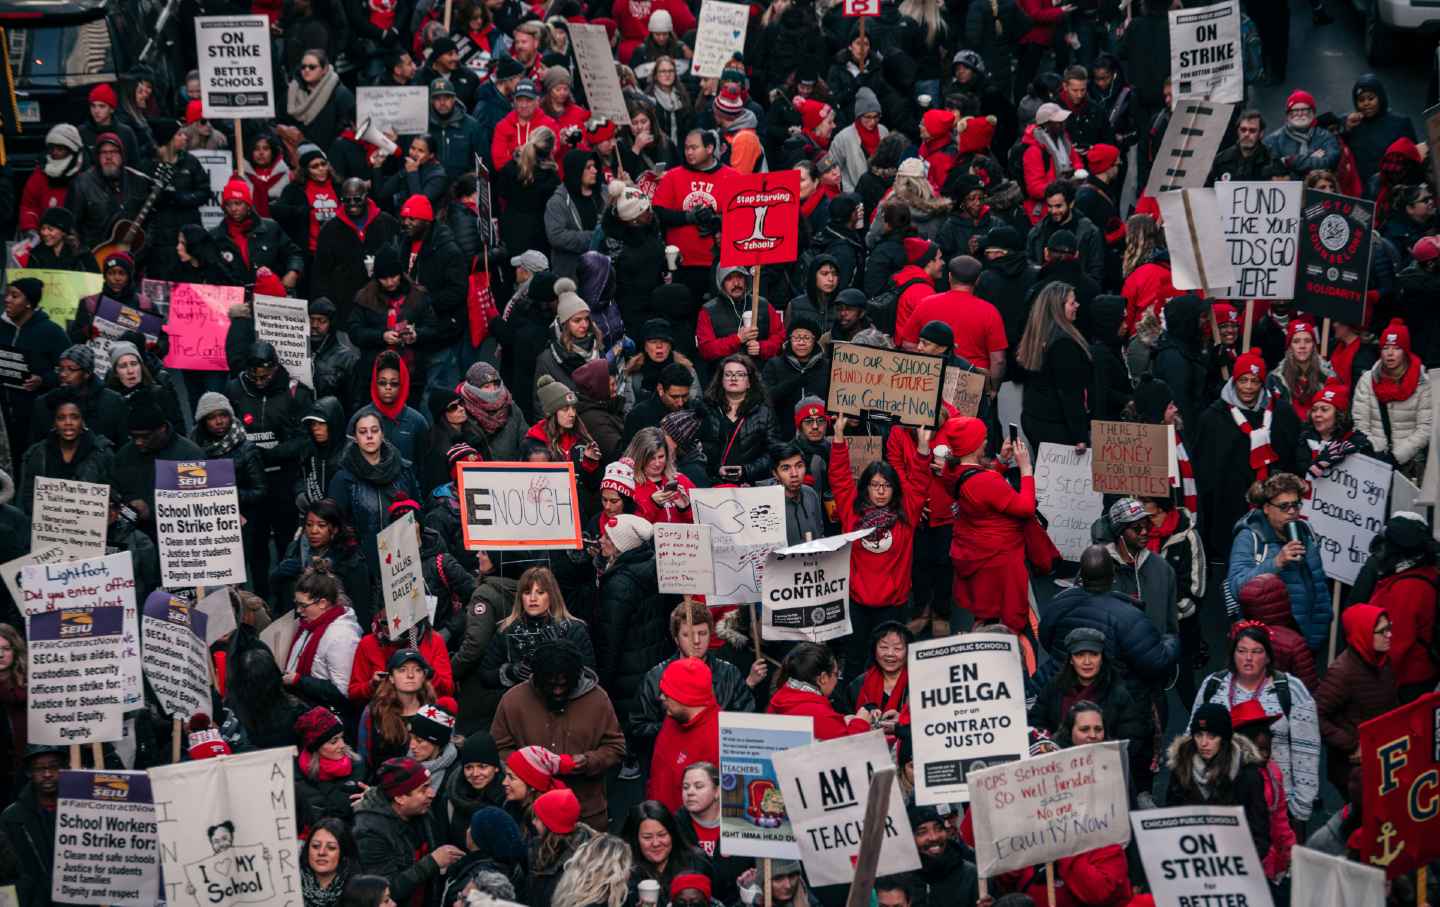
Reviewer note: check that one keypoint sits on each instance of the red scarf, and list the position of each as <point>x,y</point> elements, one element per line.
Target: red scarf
<point>808,206</point>
<point>315,629</point>
<point>872,689</point>
<point>323,202</point>
<point>1159,534</point>
<point>1388,390</point>
<point>240,235</point>
<point>869,138</point>
<point>330,769</point>
<point>1189,493</point>
<point>1261,453</point>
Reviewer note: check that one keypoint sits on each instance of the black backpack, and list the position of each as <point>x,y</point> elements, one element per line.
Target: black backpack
<point>1282,689</point>
<point>882,309</point>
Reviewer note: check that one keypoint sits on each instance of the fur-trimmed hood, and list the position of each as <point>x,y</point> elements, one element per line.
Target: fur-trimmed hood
<point>1242,750</point>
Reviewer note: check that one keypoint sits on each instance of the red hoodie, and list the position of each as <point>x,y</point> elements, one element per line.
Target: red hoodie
<point>372,657</point>
<point>1409,598</point>
<point>678,746</point>
<point>880,563</point>
<point>829,724</point>
<point>923,288</point>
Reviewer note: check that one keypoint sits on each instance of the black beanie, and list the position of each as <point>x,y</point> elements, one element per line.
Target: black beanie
<point>388,262</point>
<point>558,656</point>
<point>542,286</point>
<point>1152,396</point>
<point>480,747</point>
<point>31,288</point>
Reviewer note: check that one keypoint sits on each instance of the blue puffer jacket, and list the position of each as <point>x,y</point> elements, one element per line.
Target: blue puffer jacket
<point>1135,643</point>
<point>1253,548</point>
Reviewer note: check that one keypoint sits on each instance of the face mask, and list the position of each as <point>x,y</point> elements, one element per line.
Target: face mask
<point>64,166</point>
<point>1301,119</point>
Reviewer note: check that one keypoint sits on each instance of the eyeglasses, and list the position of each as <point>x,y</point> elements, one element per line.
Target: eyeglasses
<point>813,420</point>
<point>1385,632</point>
<point>309,65</point>
<point>730,375</point>
<point>877,485</point>
<point>453,406</point>
<point>1287,506</point>
<point>384,383</point>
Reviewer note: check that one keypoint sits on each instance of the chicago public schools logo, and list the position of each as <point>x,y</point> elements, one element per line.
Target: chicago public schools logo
<point>760,201</point>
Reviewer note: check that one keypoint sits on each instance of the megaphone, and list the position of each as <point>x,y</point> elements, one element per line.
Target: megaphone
<point>367,131</point>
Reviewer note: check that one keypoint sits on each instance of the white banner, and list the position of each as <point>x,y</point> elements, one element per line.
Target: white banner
<point>71,514</point>
<point>746,524</point>
<point>1262,224</point>
<point>1188,149</point>
<point>105,840</point>
<point>519,505</point>
<point>219,165</point>
<point>227,830</point>
<point>401,578</point>
<point>1047,807</point>
<point>403,108</point>
<point>753,822</point>
<point>806,589</point>
<point>1320,879</point>
<point>967,707</point>
<point>719,35</point>
<point>825,786</point>
<point>1345,511</point>
<point>1205,58</point>
<point>100,582</point>
<point>285,322</point>
<point>1202,855</point>
<point>197,519</point>
<point>77,671</point>
<point>1199,255</point>
<point>683,563</point>
<point>1065,493</point>
<point>176,659</point>
<point>235,71</point>
<point>596,62</point>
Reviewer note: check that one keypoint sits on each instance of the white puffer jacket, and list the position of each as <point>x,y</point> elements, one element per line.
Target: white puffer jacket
<point>1409,419</point>
<point>335,655</point>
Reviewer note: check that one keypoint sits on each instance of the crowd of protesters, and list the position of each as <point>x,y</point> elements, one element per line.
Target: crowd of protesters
<point>527,281</point>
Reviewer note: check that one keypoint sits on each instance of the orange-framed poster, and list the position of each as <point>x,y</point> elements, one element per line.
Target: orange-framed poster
<point>519,505</point>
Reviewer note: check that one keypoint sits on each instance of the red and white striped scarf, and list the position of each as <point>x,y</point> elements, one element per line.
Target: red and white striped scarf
<point>1261,453</point>
<point>1189,495</point>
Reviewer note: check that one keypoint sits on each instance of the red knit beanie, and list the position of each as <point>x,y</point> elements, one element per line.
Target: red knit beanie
<point>537,767</point>
<point>1252,362</point>
<point>812,112</point>
<point>938,122</point>
<point>686,880</point>
<point>1335,393</point>
<point>204,740</point>
<point>919,251</point>
<point>1299,326</point>
<point>236,189</point>
<point>1396,334</point>
<point>558,810</point>
<point>809,410</point>
<point>1299,98</point>
<point>964,435</point>
<point>688,682</point>
<point>267,284</point>
<point>418,207</point>
<point>104,94</point>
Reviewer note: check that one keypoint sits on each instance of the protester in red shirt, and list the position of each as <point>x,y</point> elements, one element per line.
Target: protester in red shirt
<point>690,731</point>
<point>514,130</point>
<point>979,330</point>
<point>807,677</point>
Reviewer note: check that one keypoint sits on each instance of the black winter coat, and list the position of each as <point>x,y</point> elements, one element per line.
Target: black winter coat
<point>104,410</point>
<point>1054,397</point>
<point>29,832</point>
<point>179,205</point>
<point>93,456</point>
<point>885,258</point>
<point>1242,785</point>
<point>1126,718</point>
<point>132,474</point>
<point>268,247</point>
<point>522,225</point>
<point>388,844</point>
<point>1222,466</point>
<point>632,627</point>
<point>249,469</point>
<point>340,250</point>
<point>271,416</point>
<point>330,798</point>
<point>747,444</point>
<point>949,878</point>
<point>97,203</point>
<point>507,659</point>
<point>444,272</point>
<point>730,691</point>
<point>637,252</point>
<point>1183,369</point>
<point>788,380</point>
<point>1131,640</point>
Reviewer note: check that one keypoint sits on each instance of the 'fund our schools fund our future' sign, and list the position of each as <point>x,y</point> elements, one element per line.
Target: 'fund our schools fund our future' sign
<point>904,386</point>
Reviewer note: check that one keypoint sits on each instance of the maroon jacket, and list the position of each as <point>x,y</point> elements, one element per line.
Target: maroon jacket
<point>1265,599</point>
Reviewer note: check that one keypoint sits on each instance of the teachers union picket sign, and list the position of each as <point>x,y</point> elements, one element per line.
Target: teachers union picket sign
<point>519,505</point>
<point>197,518</point>
<point>105,849</point>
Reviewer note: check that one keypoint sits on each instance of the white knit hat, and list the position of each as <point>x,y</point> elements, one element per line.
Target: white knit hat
<point>620,477</point>
<point>627,531</point>
<point>661,23</point>
<point>630,203</point>
<point>569,306</point>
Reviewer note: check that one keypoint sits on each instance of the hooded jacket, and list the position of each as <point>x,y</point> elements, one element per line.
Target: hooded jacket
<point>1409,597</point>
<point>1359,685</point>
<point>718,327</point>
<point>340,253</point>
<point>677,746</point>
<point>1369,138</point>
<point>29,831</point>
<point>1253,551</point>
<point>1238,783</point>
<point>132,473</point>
<point>271,417</point>
<point>595,280</point>
<point>571,217</point>
<point>403,425</point>
<point>334,361</point>
<point>1149,655</point>
<point>319,462</point>
<point>1112,388</point>
<point>365,492</point>
<point>632,626</point>
<point>392,847</point>
<point>880,564</point>
<point>587,727</point>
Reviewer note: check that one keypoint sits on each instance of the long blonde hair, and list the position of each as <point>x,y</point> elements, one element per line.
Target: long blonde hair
<point>597,873</point>
<point>917,192</point>
<point>1046,315</point>
<point>529,158</point>
<point>18,674</point>
<point>646,444</point>
<point>542,577</point>
<point>1142,236</point>
<point>926,13</point>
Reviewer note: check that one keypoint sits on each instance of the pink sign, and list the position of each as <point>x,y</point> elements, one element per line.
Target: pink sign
<point>199,320</point>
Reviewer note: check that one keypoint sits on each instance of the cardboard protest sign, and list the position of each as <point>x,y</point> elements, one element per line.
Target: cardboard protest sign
<point>859,8</point>
<point>1399,764</point>
<point>1199,256</point>
<point>719,35</point>
<point>403,108</point>
<point>864,450</point>
<point>401,579</point>
<point>1333,263</point>
<point>1262,225</point>
<point>63,289</point>
<point>753,822</point>
<point>683,562</point>
<point>177,662</point>
<point>1188,149</point>
<point>71,514</point>
<point>967,707</point>
<point>1200,855</point>
<point>235,70</point>
<point>1131,458</point>
<point>1205,59</point>
<point>867,379</point>
<point>219,614</point>
<point>519,505</point>
<point>806,589</point>
<point>964,390</point>
<point>285,322</point>
<point>101,582</point>
<point>596,63</point>
<point>14,368</point>
<point>1319,878</point>
<point>105,849</point>
<point>1066,495</point>
<point>1043,808</point>
<point>112,320</point>
<point>197,324</point>
<point>745,524</point>
<point>825,785</point>
<point>1345,510</point>
<point>760,218</point>
<point>77,675</point>
<point>227,829</point>
<point>218,166</point>
<point>11,570</point>
<point>197,520</point>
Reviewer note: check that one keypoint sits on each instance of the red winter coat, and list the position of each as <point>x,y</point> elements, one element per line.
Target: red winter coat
<point>633,19</point>
<point>1039,171</point>
<point>1148,287</point>
<point>829,724</point>
<point>1409,598</point>
<point>1046,16</point>
<point>1095,878</point>
<point>900,447</point>
<point>1282,837</point>
<point>992,581</point>
<point>40,194</point>
<point>680,745</point>
<point>939,153</point>
<point>1358,686</point>
<point>879,563</point>
<point>510,134</point>
<point>371,656</point>
<point>914,294</point>
<point>1266,599</point>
